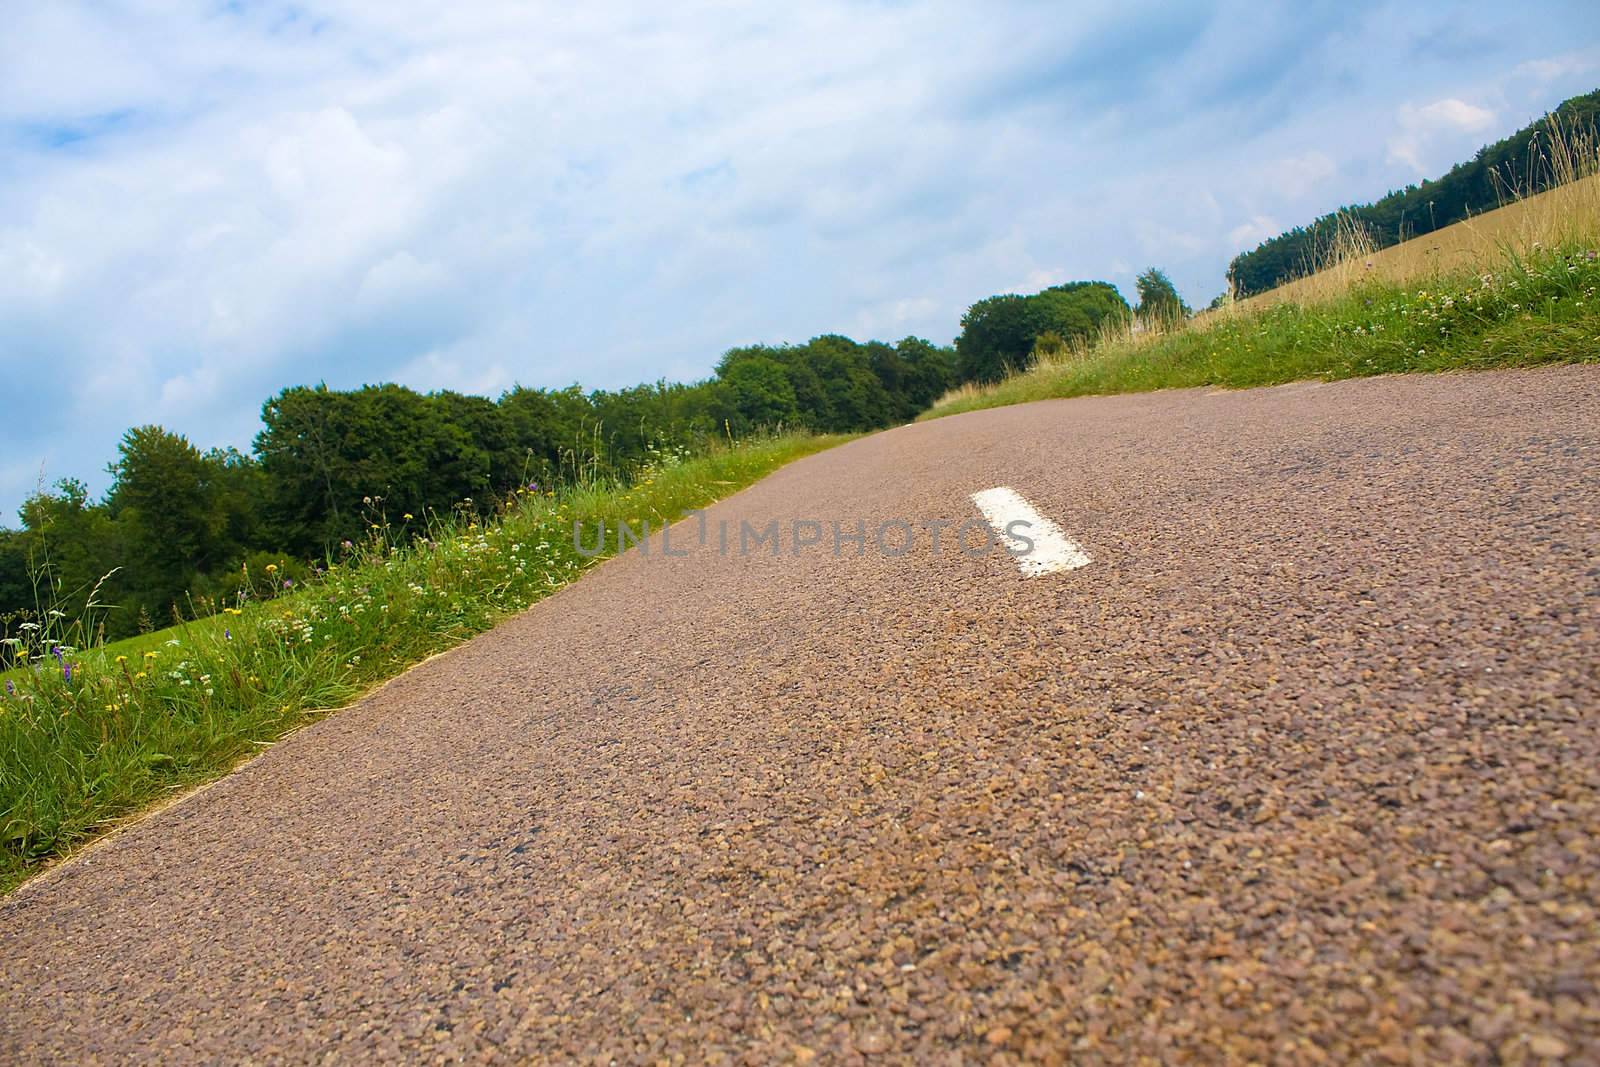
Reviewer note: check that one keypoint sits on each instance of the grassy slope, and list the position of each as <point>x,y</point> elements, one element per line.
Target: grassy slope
<point>132,723</point>
<point>1520,311</point>
<point>1567,214</point>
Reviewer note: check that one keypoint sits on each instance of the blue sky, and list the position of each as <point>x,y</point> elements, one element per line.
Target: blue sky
<point>203,203</point>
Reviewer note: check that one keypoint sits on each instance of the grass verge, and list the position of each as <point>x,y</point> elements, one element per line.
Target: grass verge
<point>88,737</point>
<point>1523,310</point>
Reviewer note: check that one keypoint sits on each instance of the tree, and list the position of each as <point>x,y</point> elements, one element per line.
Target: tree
<point>928,371</point>
<point>166,502</point>
<point>996,337</point>
<point>998,334</point>
<point>1160,306</point>
<point>760,394</point>
<point>69,544</point>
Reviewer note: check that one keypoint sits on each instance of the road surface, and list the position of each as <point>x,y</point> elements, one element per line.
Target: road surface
<point>1302,766</point>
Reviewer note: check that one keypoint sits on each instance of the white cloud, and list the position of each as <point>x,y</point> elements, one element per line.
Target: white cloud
<point>1252,232</point>
<point>1551,68</point>
<point>894,319</point>
<point>1450,114</point>
<point>202,204</point>
<point>1295,176</point>
<point>1421,128</point>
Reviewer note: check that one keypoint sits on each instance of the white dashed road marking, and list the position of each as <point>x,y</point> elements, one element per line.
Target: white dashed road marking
<point>1017,522</point>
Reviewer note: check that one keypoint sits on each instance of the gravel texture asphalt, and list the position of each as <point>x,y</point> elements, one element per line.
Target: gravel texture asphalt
<point>1303,768</point>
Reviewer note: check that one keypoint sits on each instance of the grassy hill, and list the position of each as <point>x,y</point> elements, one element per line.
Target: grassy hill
<point>1517,286</point>
<point>1539,156</point>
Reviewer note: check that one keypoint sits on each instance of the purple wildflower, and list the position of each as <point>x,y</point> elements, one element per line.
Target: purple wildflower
<point>66,672</point>
<point>288,583</point>
<point>61,658</point>
<point>533,487</point>
<point>227,634</point>
<point>11,690</point>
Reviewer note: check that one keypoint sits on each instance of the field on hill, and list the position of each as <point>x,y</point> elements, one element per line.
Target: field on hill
<point>1568,214</point>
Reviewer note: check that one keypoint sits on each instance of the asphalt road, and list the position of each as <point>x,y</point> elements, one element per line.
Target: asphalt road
<point>1303,767</point>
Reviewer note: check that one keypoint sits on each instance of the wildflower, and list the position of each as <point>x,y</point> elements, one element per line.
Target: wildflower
<point>227,634</point>
<point>122,659</point>
<point>66,672</point>
<point>11,690</point>
<point>408,516</point>
<point>272,568</point>
<point>141,676</point>
<point>151,654</point>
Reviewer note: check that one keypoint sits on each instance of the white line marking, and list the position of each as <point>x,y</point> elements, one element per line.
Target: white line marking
<point>1052,551</point>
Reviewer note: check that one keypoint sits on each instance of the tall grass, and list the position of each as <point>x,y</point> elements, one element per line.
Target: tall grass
<point>88,736</point>
<point>1555,204</point>
<point>1543,307</point>
<point>1513,287</point>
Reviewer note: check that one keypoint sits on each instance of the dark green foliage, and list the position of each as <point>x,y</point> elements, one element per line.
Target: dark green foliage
<point>1160,306</point>
<point>16,587</point>
<point>178,524</point>
<point>758,391</point>
<point>1516,166</point>
<point>830,383</point>
<point>67,545</point>
<point>998,333</point>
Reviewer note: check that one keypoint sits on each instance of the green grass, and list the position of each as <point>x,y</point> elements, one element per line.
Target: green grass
<point>133,647</point>
<point>1531,310</point>
<point>88,737</point>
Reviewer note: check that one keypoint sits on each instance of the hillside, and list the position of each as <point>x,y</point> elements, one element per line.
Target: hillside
<point>1535,158</point>
<point>1568,213</point>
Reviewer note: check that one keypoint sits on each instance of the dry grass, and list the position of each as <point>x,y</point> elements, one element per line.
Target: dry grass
<point>1566,214</point>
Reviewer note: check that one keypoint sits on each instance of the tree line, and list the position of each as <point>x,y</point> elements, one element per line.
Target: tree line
<point>179,524</point>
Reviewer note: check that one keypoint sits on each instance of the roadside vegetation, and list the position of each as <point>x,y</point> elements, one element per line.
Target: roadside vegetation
<point>1514,287</point>
<point>1542,155</point>
<point>89,735</point>
<point>166,542</point>
<point>1542,307</point>
<point>211,601</point>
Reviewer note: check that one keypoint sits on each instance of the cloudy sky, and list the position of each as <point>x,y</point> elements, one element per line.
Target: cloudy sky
<point>204,202</point>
